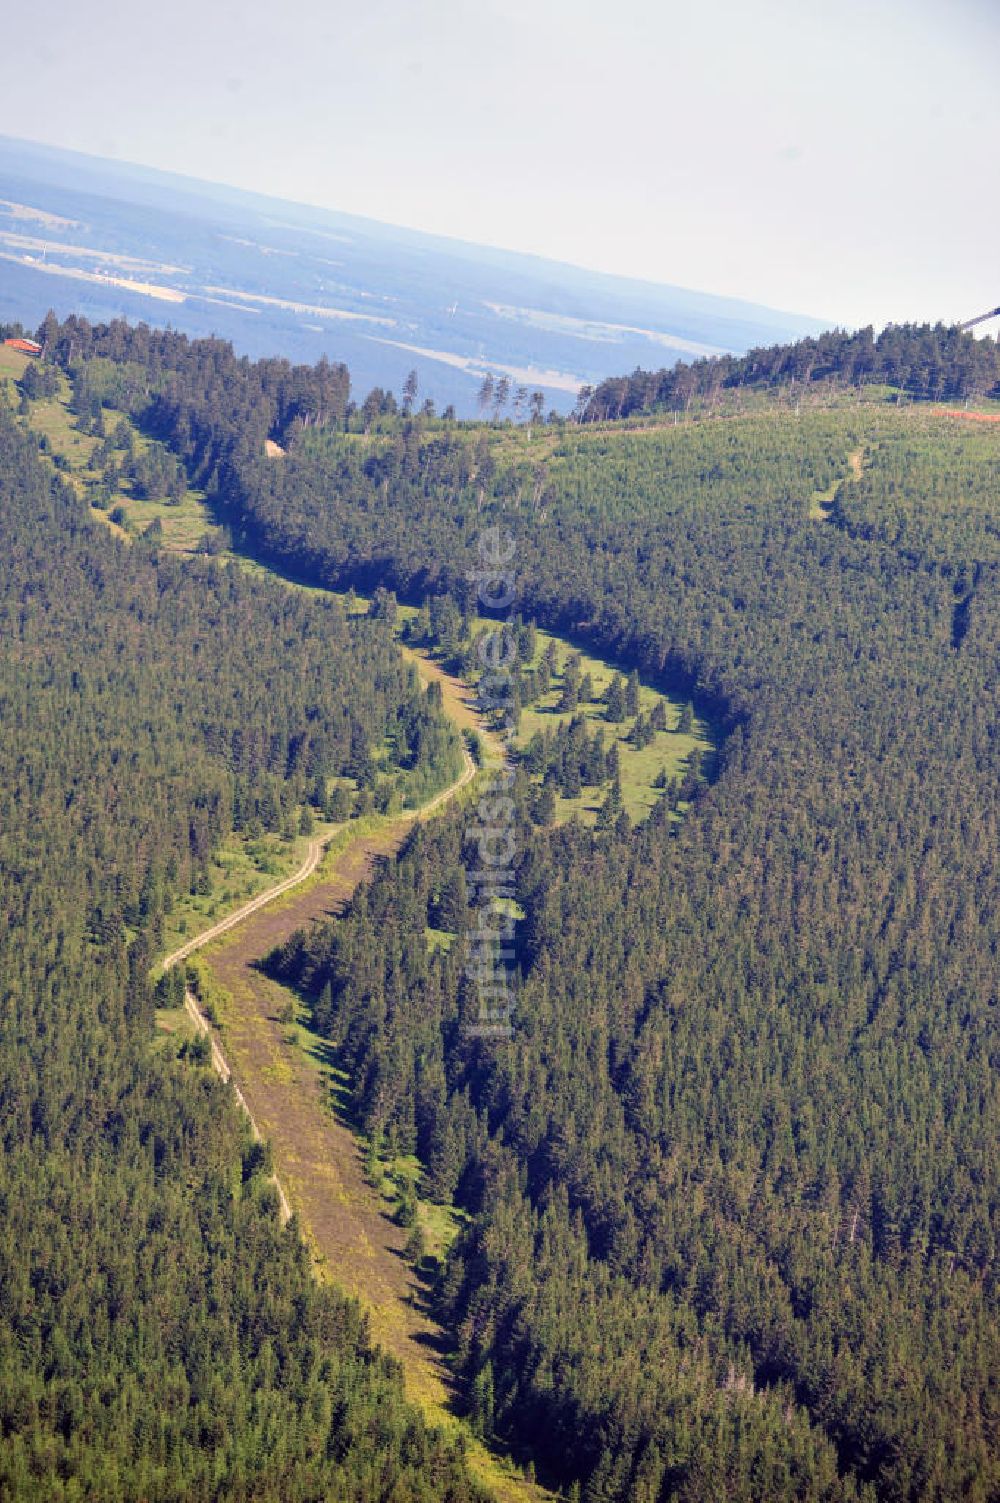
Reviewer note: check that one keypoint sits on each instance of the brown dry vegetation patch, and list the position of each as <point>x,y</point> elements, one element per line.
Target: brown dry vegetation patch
<point>292,1093</point>
<point>971,417</point>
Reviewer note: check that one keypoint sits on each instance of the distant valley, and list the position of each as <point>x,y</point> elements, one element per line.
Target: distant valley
<point>107,240</point>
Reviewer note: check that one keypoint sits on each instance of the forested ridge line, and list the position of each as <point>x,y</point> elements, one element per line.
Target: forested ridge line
<point>474,1458</point>
<point>160,1336</point>
<point>380,627</point>
<point>733,1187</point>
<point>927,362</point>
<point>597,1220</point>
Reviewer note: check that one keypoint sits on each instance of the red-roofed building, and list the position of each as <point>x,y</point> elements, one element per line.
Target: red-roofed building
<point>26,346</point>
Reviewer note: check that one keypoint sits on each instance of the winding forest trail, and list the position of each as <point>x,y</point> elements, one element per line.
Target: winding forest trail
<point>287,1081</point>
<point>457,701</point>
<point>239,916</point>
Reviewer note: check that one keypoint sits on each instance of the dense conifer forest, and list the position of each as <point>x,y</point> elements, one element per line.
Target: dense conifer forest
<point>160,1336</point>
<point>927,363</point>
<point>731,1188</point>
<point>741,1152</point>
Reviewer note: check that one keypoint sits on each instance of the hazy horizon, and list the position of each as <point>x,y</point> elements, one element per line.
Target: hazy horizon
<point>763,152</point>
<point>191,179</point>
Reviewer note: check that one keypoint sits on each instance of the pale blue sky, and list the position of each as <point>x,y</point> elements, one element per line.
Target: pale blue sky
<point>836,157</point>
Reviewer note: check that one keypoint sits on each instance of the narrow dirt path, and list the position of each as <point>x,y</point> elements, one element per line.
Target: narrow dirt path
<point>239,915</point>
<point>458,702</point>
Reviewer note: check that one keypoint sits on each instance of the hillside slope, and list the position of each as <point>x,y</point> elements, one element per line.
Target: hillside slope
<point>160,1335</point>
<point>731,1186</point>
